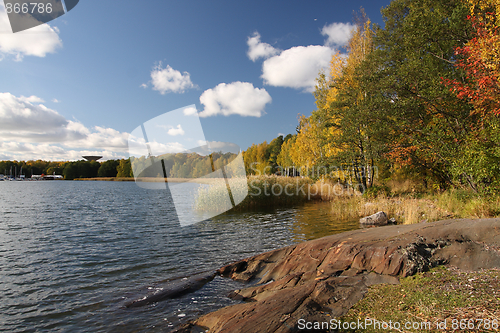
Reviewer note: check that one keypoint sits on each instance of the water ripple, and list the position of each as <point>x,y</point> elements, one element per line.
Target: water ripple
<point>73,253</point>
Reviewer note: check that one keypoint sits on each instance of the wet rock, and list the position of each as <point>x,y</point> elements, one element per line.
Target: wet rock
<point>322,279</point>
<point>379,218</point>
<point>174,288</point>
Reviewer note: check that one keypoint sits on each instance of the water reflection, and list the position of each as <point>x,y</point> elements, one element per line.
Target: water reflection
<point>309,221</point>
<point>315,220</point>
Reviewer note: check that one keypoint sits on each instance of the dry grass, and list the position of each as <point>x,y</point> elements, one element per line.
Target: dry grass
<point>263,191</point>
<point>328,191</point>
<point>405,186</point>
<point>404,210</point>
<point>406,202</point>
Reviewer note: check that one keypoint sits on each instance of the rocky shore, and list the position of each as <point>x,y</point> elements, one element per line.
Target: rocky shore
<point>322,279</point>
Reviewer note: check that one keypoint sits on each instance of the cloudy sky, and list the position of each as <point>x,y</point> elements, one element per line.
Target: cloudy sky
<point>80,84</point>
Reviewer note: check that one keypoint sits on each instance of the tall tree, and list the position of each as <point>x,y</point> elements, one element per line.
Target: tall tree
<point>427,125</point>
<point>273,151</point>
<point>284,159</point>
<point>342,113</point>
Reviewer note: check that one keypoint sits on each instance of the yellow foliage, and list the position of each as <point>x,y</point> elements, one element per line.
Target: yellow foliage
<point>308,149</point>
<point>337,65</point>
<point>478,9</point>
<point>284,158</point>
<point>360,45</point>
<point>255,159</point>
<point>316,142</point>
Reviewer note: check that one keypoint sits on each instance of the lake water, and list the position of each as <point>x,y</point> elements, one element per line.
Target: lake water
<point>73,253</point>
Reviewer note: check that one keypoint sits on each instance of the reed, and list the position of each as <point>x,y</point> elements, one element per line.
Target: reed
<point>402,200</point>
<point>420,207</point>
<point>404,209</point>
<point>263,192</point>
<point>328,191</point>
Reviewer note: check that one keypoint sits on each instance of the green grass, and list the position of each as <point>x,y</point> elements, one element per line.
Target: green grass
<point>468,204</point>
<point>440,294</point>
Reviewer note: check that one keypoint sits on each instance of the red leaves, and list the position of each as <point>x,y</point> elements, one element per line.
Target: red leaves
<point>480,65</point>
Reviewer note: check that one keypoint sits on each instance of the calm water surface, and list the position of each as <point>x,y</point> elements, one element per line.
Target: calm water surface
<point>73,253</point>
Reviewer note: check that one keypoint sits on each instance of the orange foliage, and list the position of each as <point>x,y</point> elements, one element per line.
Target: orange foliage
<point>481,58</point>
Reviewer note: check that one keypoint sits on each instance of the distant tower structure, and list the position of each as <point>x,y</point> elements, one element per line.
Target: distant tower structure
<point>92,158</point>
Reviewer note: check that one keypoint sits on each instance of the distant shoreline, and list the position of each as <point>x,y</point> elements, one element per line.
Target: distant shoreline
<point>108,179</point>
<point>153,179</point>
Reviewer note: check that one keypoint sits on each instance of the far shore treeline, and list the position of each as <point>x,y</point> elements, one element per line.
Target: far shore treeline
<point>190,165</point>
<point>70,170</point>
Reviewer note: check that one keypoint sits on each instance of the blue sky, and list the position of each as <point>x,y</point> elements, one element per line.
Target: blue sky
<point>81,83</point>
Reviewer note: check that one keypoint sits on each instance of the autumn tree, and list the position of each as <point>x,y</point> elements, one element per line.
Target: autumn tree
<point>256,159</point>
<point>349,111</point>
<point>124,168</point>
<point>480,59</point>
<point>284,159</point>
<point>424,126</point>
<point>340,121</point>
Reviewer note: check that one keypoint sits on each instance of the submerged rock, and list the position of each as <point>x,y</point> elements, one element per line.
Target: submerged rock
<point>323,278</point>
<point>175,288</point>
<point>379,218</point>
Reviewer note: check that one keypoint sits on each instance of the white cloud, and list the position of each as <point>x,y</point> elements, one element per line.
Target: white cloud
<point>297,67</point>
<point>176,131</point>
<point>100,137</point>
<point>138,146</point>
<point>225,147</point>
<point>32,151</point>
<point>169,80</point>
<point>55,100</point>
<point>32,99</point>
<point>30,130</point>
<point>190,111</point>
<point>23,115</point>
<point>37,41</point>
<point>257,49</point>
<point>240,98</point>
<point>167,148</point>
<point>338,33</point>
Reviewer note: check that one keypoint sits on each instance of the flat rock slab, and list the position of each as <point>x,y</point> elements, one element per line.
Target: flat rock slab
<point>323,278</point>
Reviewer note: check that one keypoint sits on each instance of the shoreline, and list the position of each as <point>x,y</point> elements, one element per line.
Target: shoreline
<point>323,278</point>
<point>153,180</point>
